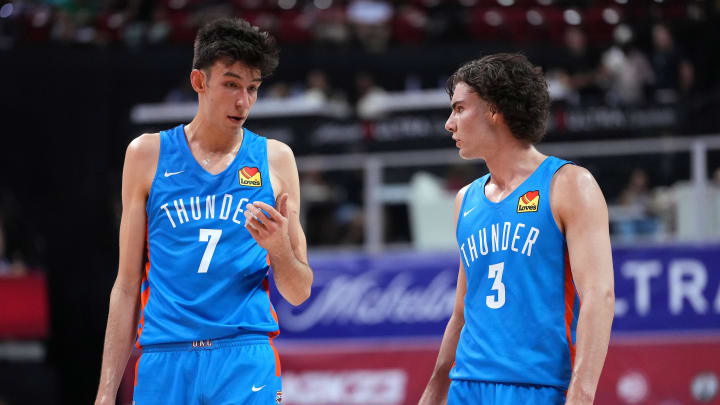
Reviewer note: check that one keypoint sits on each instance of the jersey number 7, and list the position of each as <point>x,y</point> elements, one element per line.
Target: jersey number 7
<point>212,236</point>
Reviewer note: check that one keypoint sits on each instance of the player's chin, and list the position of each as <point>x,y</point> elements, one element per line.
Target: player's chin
<point>464,153</point>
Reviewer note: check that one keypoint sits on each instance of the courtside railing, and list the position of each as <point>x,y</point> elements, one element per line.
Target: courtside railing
<point>376,192</point>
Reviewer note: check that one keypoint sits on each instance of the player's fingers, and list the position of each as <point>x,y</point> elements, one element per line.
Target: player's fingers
<point>253,231</point>
<point>256,212</point>
<point>273,213</point>
<point>253,221</point>
<point>256,229</point>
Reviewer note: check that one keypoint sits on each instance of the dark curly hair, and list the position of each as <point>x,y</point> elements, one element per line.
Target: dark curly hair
<point>235,40</point>
<point>512,86</point>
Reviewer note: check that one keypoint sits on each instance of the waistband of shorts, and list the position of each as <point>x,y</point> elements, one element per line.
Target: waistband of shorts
<point>244,339</point>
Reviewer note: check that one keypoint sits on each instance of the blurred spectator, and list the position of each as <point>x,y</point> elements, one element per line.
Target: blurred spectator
<point>329,26</point>
<point>575,79</point>
<point>625,70</point>
<point>371,23</point>
<point>278,91</point>
<point>634,216</point>
<point>674,74</point>
<point>319,92</point>
<point>370,96</point>
<point>160,27</point>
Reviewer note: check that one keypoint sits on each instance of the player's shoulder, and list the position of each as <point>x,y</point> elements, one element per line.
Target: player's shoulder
<point>571,177</point>
<point>280,156</point>
<point>145,144</point>
<point>279,148</point>
<point>573,187</point>
<point>461,193</point>
<point>144,149</point>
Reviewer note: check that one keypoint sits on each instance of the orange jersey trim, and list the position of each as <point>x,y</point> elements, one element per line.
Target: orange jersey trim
<point>145,295</point>
<point>272,335</point>
<point>569,307</point>
<point>137,363</point>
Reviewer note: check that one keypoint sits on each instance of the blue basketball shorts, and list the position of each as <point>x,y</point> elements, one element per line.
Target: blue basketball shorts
<point>464,392</point>
<point>240,370</point>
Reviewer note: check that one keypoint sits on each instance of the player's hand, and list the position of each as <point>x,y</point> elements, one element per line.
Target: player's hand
<point>269,230</point>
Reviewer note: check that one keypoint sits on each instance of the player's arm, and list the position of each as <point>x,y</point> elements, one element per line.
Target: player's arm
<point>582,212</point>
<point>437,388</point>
<point>281,233</point>
<point>140,162</point>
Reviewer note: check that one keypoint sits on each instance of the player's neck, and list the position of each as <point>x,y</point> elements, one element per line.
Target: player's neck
<point>513,163</point>
<point>202,133</point>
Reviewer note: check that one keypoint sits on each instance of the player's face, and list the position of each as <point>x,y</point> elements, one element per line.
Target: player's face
<point>230,92</point>
<point>469,122</point>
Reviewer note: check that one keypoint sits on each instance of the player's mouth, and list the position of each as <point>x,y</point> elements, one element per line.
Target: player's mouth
<point>236,119</point>
<point>458,142</point>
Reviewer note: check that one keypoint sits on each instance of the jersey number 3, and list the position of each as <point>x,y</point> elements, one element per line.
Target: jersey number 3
<point>212,237</point>
<point>496,272</point>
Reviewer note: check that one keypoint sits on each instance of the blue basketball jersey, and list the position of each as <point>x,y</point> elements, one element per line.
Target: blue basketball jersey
<point>521,305</point>
<point>206,277</point>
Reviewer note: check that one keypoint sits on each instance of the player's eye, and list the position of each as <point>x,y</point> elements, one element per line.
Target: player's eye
<point>230,84</point>
<point>253,89</point>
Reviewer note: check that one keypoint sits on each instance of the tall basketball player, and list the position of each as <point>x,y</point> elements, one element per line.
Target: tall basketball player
<point>215,204</point>
<point>533,242</point>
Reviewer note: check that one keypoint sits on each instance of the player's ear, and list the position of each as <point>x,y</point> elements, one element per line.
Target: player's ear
<point>198,80</point>
<point>496,117</point>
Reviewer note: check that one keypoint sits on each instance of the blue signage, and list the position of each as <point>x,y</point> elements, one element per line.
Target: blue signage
<point>410,294</point>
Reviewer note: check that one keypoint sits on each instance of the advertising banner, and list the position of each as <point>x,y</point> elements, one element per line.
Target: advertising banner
<point>370,332</point>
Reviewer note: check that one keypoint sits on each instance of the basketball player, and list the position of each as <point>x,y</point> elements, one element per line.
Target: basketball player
<point>534,243</point>
<point>217,204</point>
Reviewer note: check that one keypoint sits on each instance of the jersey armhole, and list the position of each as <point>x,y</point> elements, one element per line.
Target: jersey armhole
<point>268,171</point>
<point>552,215</point>
<point>161,138</point>
<point>462,205</point>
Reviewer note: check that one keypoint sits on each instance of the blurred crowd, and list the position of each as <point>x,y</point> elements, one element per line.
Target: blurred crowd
<point>373,24</point>
<point>619,53</point>
<point>613,52</point>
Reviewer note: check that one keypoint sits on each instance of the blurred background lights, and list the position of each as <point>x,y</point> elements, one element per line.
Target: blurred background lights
<point>177,4</point>
<point>322,4</point>
<point>704,387</point>
<point>116,20</point>
<point>611,16</point>
<point>6,10</point>
<point>572,17</point>
<point>41,17</point>
<point>506,3</point>
<point>493,18</point>
<point>286,4</point>
<point>632,388</point>
<point>534,17</point>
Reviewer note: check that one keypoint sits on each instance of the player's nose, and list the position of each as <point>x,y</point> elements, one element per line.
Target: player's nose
<point>243,99</point>
<point>450,124</point>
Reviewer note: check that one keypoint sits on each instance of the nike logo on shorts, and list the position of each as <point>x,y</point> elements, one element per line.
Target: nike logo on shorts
<point>256,389</point>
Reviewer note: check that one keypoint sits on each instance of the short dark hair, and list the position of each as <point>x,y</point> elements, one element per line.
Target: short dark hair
<point>235,40</point>
<point>512,86</point>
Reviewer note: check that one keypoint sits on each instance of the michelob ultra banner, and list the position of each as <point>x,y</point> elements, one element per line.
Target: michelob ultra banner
<point>668,290</point>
